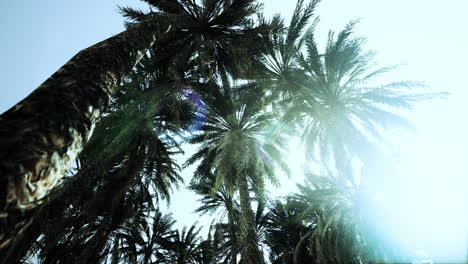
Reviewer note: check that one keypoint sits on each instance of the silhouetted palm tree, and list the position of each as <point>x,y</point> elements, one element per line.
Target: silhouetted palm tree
<point>84,231</point>
<point>219,199</point>
<point>284,231</point>
<point>44,133</point>
<point>185,246</point>
<point>144,240</point>
<point>144,119</point>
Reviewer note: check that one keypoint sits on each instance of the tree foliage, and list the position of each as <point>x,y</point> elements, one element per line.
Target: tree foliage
<point>236,88</point>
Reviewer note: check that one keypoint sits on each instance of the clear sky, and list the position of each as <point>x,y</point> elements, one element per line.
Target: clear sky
<point>428,38</point>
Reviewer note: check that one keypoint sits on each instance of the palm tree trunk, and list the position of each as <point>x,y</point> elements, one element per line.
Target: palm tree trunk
<point>58,201</point>
<point>232,231</point>
<point>52,210</point>
<point>250,254</point>
<point>43,134</point>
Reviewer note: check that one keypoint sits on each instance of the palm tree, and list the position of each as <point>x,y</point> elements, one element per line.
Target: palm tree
<point>214,199</point>
<point>144,120</point>
<point>341,110</point>
<point>339,229</point>
<point>44,133</point>
<point>145,240</point>
<point>145,237</point>
<point>235,148</point>
<point>285,230</point>
<point>185,247</point>
<point>209,250</point>
<point>84,231</point>
<point>227,241</point>
<point>82,101</point>
<point>277,69</point>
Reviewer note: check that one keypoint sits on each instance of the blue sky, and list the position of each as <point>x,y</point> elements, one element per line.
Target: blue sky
<point>427,38</point>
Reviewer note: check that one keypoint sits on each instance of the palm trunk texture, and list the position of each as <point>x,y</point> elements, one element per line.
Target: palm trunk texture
<point>250,253</point>
<point>232,231</point>
<point>43,134</point>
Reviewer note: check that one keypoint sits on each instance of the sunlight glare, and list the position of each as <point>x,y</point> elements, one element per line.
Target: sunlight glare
<point>427,202</point>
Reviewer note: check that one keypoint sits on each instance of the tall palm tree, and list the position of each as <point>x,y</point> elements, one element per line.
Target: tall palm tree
<point>143,119</point>
<point>227,241</point>
<point>236,149</point>
<point>214,199</point>
<point>76,96</point>
<point>341,109</point>
<point>46,131</point>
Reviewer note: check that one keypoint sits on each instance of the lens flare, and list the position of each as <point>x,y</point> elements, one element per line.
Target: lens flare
<point>200,110</point>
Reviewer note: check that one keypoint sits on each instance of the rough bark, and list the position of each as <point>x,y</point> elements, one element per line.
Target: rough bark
<point>43,134</point>
<point>233,233</point>
<point>50,212</point>
<point>40,217</point>
<point>250,253</point>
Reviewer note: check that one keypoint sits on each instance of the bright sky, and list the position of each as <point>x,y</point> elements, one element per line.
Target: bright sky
<point>428,207</point>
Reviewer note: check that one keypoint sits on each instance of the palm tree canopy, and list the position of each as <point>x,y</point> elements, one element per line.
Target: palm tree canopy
<point>185,247</point>
<point>284,231</point>
<point>340,229</point>
<point>341,109</point>
<point>234,138</point>
<point>210,32</point>
<point>277,69</point>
